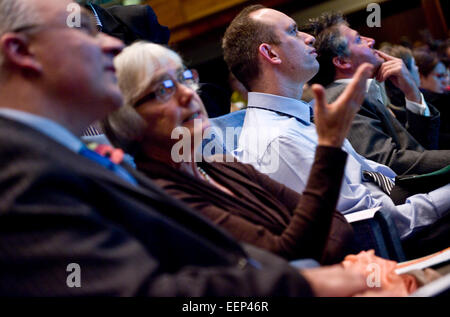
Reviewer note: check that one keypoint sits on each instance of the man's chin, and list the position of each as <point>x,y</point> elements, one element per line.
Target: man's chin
<point>116,100</point>
<point>376,68</point>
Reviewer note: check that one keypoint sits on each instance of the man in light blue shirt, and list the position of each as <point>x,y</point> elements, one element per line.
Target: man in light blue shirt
<point>278,137</point>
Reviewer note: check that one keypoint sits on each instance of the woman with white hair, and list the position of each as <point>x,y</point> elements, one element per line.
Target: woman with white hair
<point>160,97</point>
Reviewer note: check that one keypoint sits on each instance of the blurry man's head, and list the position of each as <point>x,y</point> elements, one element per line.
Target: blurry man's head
<point>71,65</point>
<point>341,49</point>
<point>260,39</point>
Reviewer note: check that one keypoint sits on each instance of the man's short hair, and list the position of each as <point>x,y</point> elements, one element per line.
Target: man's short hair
<point>329,43</point>
<point>15,14</point>
<point>240,44</point>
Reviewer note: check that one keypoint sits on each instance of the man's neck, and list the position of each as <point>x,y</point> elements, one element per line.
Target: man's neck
<point>342,76</point>
<point>34,101</point>
<point>280,86</point>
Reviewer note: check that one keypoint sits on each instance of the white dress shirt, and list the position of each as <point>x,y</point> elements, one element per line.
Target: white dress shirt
<point>279,139</point>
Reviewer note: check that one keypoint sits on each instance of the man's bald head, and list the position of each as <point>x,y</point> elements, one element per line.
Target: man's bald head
<point>241,41</point>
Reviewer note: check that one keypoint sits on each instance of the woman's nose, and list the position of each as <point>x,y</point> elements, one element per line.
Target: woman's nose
<point>184,93</point>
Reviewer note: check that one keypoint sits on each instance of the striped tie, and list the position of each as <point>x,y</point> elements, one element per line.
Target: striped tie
<point>384,182</point>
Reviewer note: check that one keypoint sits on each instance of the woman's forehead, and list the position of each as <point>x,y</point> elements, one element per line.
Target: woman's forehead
<point>165,69</point>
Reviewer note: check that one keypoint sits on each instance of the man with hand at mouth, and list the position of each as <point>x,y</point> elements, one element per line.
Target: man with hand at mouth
<point>376,133</point>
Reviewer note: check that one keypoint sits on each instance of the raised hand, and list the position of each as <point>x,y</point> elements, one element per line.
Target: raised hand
<point>396,71</point>
<point>334,120</point>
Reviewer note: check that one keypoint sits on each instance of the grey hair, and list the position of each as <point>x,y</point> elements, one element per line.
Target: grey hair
<point>15,14</point>
<point>135,69</point>
<point>329,43</point>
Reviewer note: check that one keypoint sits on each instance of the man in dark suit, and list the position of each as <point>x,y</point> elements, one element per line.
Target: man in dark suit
<point>376,133</point>
<point>72,223</point>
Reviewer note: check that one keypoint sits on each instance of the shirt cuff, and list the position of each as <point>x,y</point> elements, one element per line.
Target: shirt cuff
<point>440,199</point>
<point>418,108</point>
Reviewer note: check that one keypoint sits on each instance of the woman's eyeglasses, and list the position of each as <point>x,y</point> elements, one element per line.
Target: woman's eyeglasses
<point>167,88</point>
<point>440,75</point>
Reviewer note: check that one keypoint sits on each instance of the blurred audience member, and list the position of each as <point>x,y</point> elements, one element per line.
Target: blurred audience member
<point>376,134</point>
<point>433,82</point>
<point>433,73</point>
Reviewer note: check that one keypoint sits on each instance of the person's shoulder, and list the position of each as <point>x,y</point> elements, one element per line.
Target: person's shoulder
<point>14,134</point>
<point>230,163</point>
<point>334,90</point>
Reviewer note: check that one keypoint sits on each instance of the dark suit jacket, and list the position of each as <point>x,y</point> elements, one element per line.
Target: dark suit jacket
<point>378,136</point>
<point>132,23</point>
<point>442,103</point>
<point>264,212</point>
<point>57,208</point>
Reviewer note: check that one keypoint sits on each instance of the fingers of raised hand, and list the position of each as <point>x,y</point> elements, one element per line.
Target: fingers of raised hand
<point>385,56</point>
<point>388,70</point>
<point>319,93</point>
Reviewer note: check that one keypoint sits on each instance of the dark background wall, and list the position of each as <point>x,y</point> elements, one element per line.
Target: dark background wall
<point>399,20</point>
<point>197,26</point>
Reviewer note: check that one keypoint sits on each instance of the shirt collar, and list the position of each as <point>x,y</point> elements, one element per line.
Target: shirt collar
<point>45,126</point>
<point>292,107</point>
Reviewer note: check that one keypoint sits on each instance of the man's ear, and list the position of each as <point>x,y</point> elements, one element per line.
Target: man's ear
<point>341,62</point>
<point>269,53</point>
<point>16,51</point>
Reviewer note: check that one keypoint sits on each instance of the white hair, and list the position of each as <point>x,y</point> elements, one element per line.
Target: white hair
<point>15,14</point>
<point>135,67</point>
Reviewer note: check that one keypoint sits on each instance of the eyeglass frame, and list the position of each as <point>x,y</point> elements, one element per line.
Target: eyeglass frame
<point>153,95</point>
<point>440,76</point>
